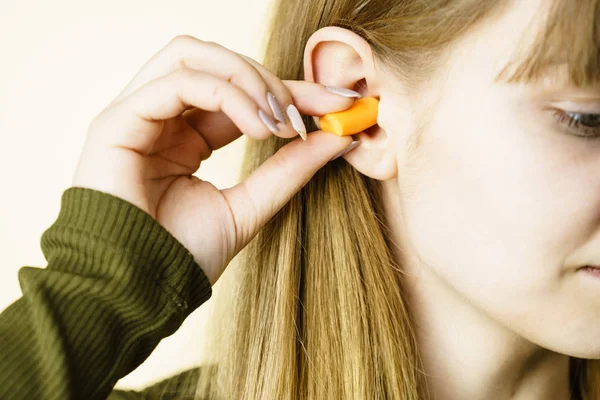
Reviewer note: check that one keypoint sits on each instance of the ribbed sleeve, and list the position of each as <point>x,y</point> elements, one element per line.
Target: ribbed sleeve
<point>115,284</point>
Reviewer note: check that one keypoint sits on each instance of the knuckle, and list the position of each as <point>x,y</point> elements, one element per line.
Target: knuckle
<point>181,75</point>
<point>182,45</point>
<point>183,40</point>
<point>216,91</point>
<point>214,44</point>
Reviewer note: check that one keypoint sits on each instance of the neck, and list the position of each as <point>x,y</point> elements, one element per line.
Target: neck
<point>465,353</point>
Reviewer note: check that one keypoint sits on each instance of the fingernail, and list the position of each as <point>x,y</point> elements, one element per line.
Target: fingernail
<point>317,122</point>
<point>342,91</point>
<point>275,107</point>
<point>268,121</point>
<point>296,120</point>
<point>351,146</point>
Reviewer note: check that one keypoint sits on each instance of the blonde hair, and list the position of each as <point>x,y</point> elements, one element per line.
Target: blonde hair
<point>313,308</point>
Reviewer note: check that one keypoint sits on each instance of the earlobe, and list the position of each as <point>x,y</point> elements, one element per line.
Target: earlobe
<point>375,157</point>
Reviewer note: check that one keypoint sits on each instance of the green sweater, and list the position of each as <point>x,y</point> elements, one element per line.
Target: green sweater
<point>116,283</point>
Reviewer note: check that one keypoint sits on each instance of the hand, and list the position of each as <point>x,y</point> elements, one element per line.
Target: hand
<point>191,98</point>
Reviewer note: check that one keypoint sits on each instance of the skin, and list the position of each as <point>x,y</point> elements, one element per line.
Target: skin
<point>492,216</point>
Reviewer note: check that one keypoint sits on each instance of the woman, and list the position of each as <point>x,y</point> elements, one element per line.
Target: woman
<point>448,257</point>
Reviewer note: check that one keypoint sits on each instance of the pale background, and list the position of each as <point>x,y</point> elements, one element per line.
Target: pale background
<point>61,63</point>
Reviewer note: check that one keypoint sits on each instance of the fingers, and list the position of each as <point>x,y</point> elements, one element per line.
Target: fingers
<point>310,99</point>
<point>137,120</point>
<point>189,52</point>
<point>254,201</point>
<point>303,93</point>
<point>216,128</point>
<point>280,100</point>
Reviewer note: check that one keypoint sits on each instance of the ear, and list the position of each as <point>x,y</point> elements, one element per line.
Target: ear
<point>335,56</point>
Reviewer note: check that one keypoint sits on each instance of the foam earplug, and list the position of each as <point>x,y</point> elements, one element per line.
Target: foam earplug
<point>360,116</point>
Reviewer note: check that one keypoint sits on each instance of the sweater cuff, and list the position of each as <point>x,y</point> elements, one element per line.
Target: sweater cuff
<point>128,231</point>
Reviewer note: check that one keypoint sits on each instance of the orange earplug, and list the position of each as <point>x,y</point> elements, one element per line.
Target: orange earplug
<point>360,116</point>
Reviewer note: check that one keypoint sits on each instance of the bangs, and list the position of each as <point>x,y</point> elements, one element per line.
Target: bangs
<point>570,38</point>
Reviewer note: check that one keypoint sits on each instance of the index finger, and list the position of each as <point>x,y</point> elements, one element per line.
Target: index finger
<point>313,99</point>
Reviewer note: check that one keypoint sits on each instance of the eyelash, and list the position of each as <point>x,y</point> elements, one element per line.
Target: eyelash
<point>566,118</point>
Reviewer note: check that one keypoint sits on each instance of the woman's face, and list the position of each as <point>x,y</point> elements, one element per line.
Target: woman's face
<point>503,201</point>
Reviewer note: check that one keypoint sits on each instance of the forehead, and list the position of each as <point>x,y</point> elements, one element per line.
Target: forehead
<point>567,44</point>
<point>547,41</point>
<point>504,36</point>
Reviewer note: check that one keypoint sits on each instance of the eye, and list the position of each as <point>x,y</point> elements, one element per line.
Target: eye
<point>583,125</point>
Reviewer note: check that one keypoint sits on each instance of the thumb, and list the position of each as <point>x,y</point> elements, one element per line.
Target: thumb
<point>255,200</point>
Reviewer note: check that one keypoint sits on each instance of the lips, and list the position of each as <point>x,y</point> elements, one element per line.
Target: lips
<point>591,269</point>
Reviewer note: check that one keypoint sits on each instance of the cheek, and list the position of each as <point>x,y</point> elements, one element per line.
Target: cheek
<point>483,199</point>
<point>495,207</point>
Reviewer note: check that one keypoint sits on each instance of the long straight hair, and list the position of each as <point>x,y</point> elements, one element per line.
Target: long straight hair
<point>313,307</point>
